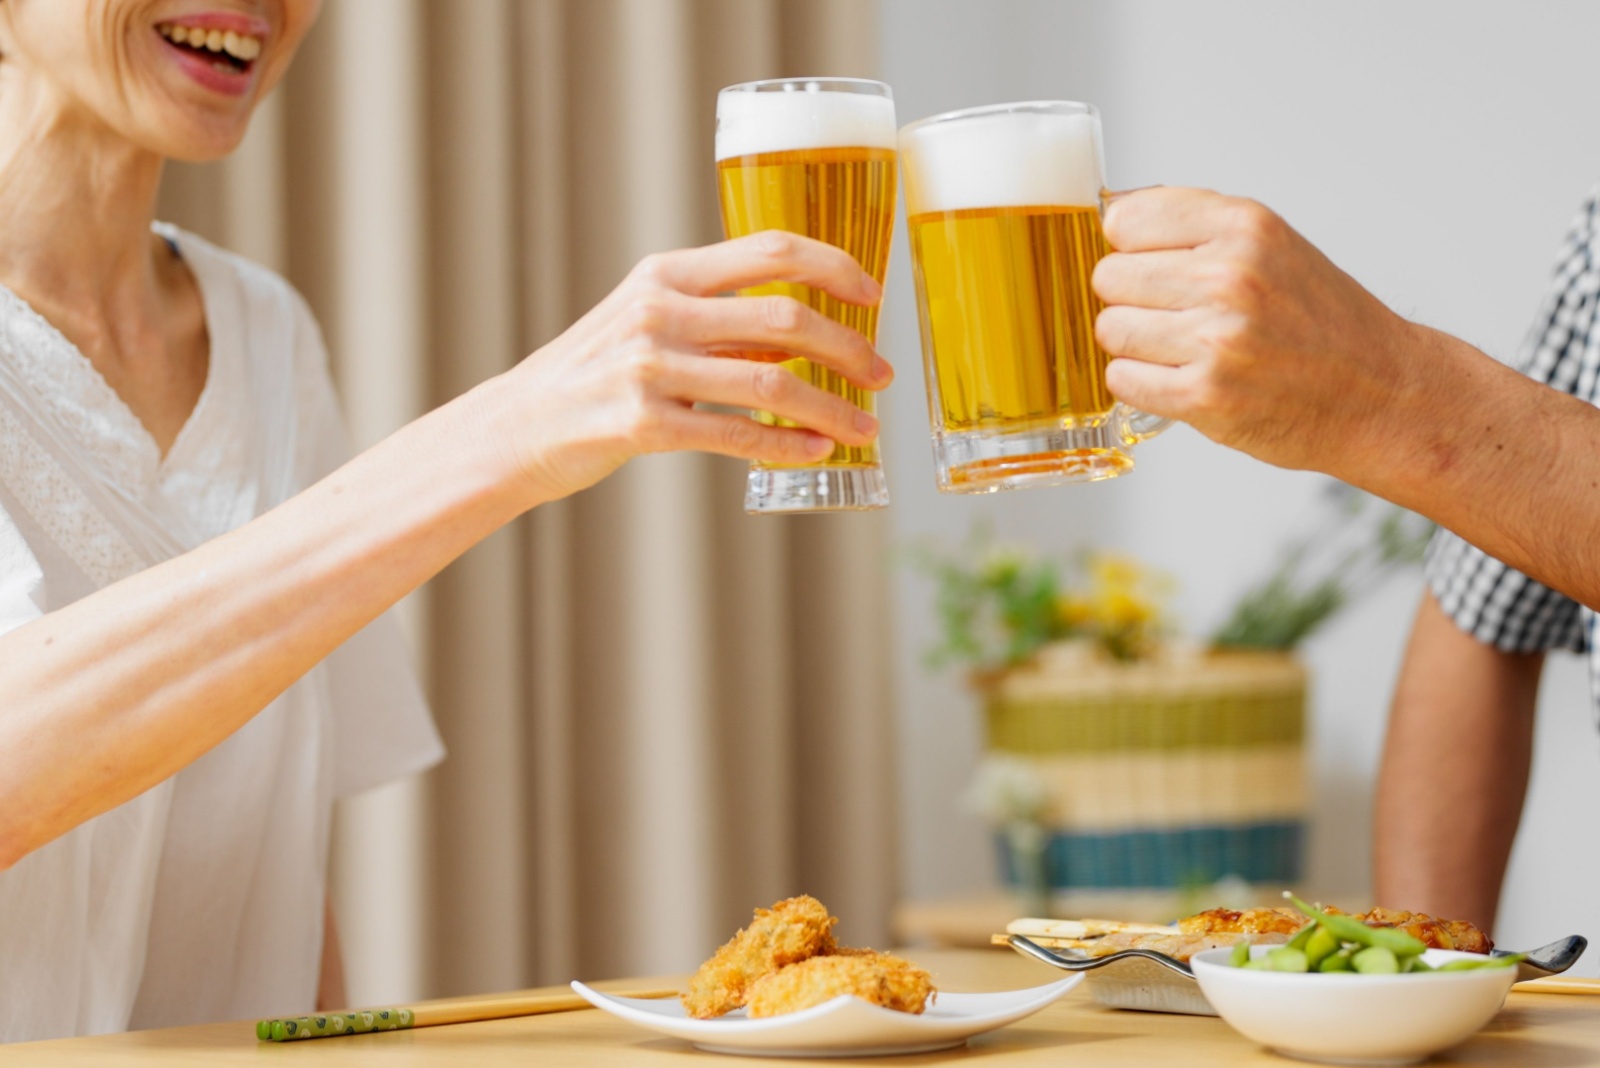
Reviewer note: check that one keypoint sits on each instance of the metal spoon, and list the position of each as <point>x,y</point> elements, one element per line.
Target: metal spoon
<point>1028,947</point>
<point>1553,959</point>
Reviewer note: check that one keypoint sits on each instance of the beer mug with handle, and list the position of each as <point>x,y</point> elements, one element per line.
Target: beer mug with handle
<point>1003,205</point>
<point>815,156</point>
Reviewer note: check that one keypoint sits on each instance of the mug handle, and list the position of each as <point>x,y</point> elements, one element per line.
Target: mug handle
<point>1134,426</point>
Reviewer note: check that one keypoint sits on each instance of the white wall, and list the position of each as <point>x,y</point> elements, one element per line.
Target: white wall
<point>1436,150</point>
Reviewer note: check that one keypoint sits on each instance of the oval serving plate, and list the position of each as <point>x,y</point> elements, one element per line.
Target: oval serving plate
<point>843,1027</point>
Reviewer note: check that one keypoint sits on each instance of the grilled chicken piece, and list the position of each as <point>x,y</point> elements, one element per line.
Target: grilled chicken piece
<point>1250,921</point>
<point>1435,933</point>
<point>1181,946</point>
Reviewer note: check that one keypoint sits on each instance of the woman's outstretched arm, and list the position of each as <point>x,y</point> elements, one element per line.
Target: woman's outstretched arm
<point>107,697</point>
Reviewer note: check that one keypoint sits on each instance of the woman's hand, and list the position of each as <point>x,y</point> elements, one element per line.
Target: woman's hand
<point>1229,320</point>
<point>625,378</point>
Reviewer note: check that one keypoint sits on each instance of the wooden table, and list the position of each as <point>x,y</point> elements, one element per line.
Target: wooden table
<point>1534,1031</point>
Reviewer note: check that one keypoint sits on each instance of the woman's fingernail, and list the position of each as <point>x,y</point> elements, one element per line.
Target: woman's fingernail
<point>882,371</point>
<point>866,424</point>
<point>870,287</point>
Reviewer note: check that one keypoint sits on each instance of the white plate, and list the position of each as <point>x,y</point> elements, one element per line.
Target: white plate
<point>843,1027</point>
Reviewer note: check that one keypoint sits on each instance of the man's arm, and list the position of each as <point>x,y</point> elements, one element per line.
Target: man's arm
<point>1455,769</point>
<point>1226,318</point>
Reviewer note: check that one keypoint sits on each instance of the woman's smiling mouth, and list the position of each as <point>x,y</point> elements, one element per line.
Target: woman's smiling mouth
<point>219,51</point>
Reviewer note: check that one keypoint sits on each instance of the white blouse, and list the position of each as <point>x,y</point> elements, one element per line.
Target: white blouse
<point>201,899</point>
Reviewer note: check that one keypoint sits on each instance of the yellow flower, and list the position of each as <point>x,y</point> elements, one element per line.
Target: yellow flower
<point>1074,612</point>
<point>1109,571</point>
<point>1121,609</point>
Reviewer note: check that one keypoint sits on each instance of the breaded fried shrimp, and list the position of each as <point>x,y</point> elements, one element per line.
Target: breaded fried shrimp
<point>876,977</point>
<point>792,930</point>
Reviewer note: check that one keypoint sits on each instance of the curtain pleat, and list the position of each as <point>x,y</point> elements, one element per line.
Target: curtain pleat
<point>660,712</point>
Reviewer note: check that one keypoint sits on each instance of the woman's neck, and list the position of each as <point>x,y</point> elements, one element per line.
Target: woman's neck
<point>76,202</point>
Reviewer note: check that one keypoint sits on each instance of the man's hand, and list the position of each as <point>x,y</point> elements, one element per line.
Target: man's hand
<point>1226,318</point>
<point>1221,315</point>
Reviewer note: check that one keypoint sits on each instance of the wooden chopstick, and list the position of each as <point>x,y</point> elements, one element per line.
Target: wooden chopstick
<point>1558,985</point>
<point>464,1010</point>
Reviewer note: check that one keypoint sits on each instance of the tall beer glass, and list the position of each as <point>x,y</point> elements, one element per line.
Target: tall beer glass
<point>1003,207</point>
<point>814,156</point>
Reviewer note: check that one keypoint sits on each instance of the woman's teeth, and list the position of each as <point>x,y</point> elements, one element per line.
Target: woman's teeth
<point>240,47</point>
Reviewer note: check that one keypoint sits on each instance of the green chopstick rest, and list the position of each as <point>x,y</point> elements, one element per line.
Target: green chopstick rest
<point>331,1025</point>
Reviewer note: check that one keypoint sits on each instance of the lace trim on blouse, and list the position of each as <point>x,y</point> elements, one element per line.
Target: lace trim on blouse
<point>63,382</point>
<point>59,506</point>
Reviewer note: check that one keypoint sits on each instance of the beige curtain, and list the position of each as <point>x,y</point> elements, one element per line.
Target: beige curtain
<point>660,712</point>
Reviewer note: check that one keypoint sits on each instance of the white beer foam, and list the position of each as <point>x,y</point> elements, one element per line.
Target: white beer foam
<point>748,123</point>
<point>1006,159</point>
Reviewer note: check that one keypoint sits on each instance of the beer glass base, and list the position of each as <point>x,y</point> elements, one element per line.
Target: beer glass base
<point>987,461</point>
<point>774,490</point>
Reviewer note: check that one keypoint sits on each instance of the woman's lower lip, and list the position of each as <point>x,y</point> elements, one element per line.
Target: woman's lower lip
<point>204,71</point>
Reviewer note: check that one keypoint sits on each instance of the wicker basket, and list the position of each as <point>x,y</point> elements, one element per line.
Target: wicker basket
<point>1163,775</point>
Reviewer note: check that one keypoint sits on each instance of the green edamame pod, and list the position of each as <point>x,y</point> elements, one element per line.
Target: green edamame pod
<point>1469,965</point>
<point>1285,959</point>
<point>1302,936</point>
<point>1337,962</point>
<point>1241,954</point>
<point>1350,929</point>
<point>1320,946</point>
<point>1414,964</point>
<point>1376,960</point>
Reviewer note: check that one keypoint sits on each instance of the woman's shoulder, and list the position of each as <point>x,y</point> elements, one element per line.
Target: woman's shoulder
<point>252,300</point>
<point>260,289</point>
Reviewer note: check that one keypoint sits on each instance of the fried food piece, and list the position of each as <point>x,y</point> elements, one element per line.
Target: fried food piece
<point>793,930</point>
<point>1177,945</point>
<point>1433,933</point>
<point>1282,921</point>
<point>876,977</point>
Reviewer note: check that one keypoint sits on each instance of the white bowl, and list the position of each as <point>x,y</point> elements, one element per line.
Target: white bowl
<point>1344,1018</point>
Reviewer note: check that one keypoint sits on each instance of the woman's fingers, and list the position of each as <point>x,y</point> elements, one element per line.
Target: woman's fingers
<point>769,256</point>
<point>739,436</point>
<point>765,387</point>
<point>742,324</point>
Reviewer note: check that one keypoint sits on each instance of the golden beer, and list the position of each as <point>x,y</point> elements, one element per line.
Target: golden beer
<point>1003,205</point>
<point>813,157</point>
<point>844,196</point>
<point>1010,314</point>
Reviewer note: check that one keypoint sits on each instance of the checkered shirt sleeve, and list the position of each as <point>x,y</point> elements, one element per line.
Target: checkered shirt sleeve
<point>1492,602</point>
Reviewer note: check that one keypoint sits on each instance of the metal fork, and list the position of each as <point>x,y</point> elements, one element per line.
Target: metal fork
<point>1552,959</point>
<point>1028,947</point>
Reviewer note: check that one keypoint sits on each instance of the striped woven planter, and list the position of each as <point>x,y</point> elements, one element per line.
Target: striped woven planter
<point>1167,774</point>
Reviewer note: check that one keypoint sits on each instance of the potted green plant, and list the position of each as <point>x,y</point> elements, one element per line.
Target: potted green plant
<point>1122,758</point>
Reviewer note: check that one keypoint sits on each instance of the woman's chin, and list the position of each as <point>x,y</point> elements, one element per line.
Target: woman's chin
<point>188,135</point>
